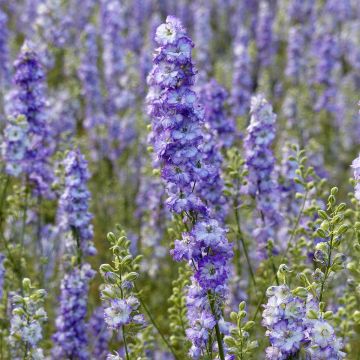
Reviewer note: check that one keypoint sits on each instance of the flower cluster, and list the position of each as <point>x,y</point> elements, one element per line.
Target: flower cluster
<point>213,97</point>
<point>260,164</point>
<point>293,323</point>
<point>14,148</point>
<point>323,343</point>
<point>70,339</point>
<point>27,99</point>
<point>74,212</point>
<point>28,315</point>
<point>283,318</point>
<point>177,118</point>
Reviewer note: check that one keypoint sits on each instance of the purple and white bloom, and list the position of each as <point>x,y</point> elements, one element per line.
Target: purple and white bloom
<point>284,318</point>
<point>15,145</point>
<point>323,342</point>
<point>117,314</point>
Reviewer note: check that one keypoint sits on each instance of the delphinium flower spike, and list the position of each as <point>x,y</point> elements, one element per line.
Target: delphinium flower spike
<point>260,163</point>
<point>95,120</point>
<point>28,99</point>
<point>242,84</point>
<point>214,97</point>
<point>73,214</point>
<point>219,133</point>
<point>264,34</point>
<point>120,98</point>
<point>70,337</point>
<point>202,37</point>
<point>177,121</point>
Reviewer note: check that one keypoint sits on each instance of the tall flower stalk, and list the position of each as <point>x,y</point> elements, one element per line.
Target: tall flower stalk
<point>177,132</point>
<point>71,341</point>
<point>28,100</point>
<point>260,161</point>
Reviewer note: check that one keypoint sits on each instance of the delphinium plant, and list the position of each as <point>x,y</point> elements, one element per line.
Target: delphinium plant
<point>27,318</point>
<point>176,135</point>
<point>120,297</point>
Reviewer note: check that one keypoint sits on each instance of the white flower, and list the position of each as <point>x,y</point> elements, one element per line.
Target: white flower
<point>118,313</point>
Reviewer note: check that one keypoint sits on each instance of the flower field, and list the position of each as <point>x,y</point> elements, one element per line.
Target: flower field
<point>179,179</point>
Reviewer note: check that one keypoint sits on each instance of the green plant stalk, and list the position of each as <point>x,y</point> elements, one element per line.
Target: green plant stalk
<point>327,268</point>
<point>241,238</point>
<point>172,350</point>
<point>217,329</point>
<point>287,248</point>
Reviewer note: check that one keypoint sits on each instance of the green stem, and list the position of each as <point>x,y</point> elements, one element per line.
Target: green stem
<point>3,197</point>
<point>240,236</point>
<point>287,249</point>
<point>274,270</point>
<point>327,268</point>
<point>125,343</point>
<point>217,329</point>
<point>295,226</point>
<point>172,350</point>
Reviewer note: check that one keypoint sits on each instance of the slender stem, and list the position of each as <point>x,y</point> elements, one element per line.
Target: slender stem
<point>172,350</point>
<point>274,270</point>
<point>287,249</point>
<point>240,236</point>
<point>295,226</point>
<point>217,329</point>
<point>327,268</point>
<point>125,343</point>
<point>3,197</point>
